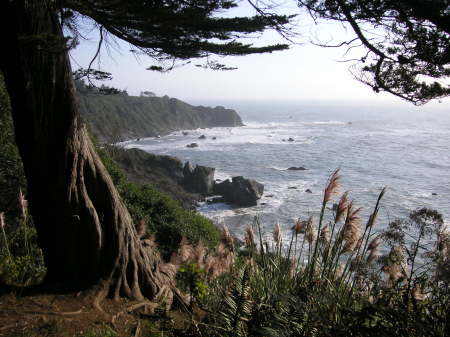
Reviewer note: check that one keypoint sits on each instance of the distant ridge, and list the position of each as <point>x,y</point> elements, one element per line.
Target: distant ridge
<point>119,117</point>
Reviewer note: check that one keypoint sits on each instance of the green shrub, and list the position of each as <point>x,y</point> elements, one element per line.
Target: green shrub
<point>163,215</point>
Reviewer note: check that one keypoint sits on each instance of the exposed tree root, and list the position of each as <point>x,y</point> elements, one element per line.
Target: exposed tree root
<point>147,304</point>
<point>67,313</point>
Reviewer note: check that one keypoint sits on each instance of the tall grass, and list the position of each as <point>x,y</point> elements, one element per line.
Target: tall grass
<point>330,278</point>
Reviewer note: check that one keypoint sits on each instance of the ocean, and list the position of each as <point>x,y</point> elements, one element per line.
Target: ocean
<point>402,147</point>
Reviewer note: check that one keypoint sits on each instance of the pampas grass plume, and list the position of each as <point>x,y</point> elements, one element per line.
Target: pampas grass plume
<point>325,234</point>
<point>332,187</point>
<point>277,233</point>
<point>342,207</point>
<point>140,228</point>
<point>2,220</point>
<point>23,204</point>
<point>310,230</point>
<point>249,237</point>
<point>299,226</point>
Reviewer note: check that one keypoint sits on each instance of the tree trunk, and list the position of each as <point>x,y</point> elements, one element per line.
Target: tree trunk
<point>84,228</point>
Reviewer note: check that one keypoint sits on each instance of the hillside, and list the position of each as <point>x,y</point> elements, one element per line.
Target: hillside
<point>118,117</point>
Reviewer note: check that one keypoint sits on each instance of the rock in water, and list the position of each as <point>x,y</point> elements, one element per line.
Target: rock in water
<point>240,191</point>
<point>202,137</point>
<point>199,179</point>
<point>192,145</point>
<point>295,168</point>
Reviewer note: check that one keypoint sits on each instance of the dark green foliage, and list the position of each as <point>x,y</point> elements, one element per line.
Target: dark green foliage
<point>407,43</point>
<point>191,279</point>
<point>11,170</point>
<point>163,215</point>
<point>21,261</point>
<point>178,29</point>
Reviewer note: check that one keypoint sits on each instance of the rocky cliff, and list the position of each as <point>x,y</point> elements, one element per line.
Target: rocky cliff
<point>118,117</point>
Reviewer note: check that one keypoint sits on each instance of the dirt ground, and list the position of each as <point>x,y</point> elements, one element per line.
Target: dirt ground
<point>49,315</point>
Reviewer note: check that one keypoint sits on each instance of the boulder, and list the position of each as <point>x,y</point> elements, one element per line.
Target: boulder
<point>185,133</point>
<point>215,200</point>
<point>199,179</point>
<point>202,137</point>
<point>308,190</point>
<point>290,139</point>
<point>192,145</point>
<point>296,168</point>
<point>240,191</point>
<point>292,187</point>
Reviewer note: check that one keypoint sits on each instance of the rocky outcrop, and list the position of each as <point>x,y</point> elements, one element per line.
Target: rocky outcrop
<point>240,191</point>
<point>199,179</point>
<point>114,118</point>
<point>186,183</point>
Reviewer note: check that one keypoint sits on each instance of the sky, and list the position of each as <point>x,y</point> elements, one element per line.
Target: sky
<point>305,72</point>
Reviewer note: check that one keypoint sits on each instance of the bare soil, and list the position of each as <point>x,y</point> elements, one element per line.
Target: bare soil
<point>71,315</point>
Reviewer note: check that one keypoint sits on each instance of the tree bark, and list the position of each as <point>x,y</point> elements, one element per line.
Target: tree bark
<point>84,228</point>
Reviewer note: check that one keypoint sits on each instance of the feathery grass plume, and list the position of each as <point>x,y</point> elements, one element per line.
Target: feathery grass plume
<point>140,228</point>
<point>417,293</point>
<point>223,260</point>
<point>299,226</point>
<point>356,263</point>
<point>325,234</point>
<point>351,231</point>
<point>277,233</point>
<point>339,272</point>
<point>23,204</point>
<point>2,220</point>
<point>292,267</point>
<point>185,253</point>
<point>199,254</point>
<point>332,187</point>
<point>211,266</point>
<point>342,207</point>
<point>310,230</point>
<point>359,243</point>
<point>373,217</point>
<point>395,266</point>
<point>249,237</point>
<point>226,238</point>
<point>374,250</point>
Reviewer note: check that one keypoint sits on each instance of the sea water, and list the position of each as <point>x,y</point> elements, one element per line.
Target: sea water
<point>399,146</point>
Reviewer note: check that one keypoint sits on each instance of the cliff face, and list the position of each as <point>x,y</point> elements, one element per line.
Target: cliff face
<point>113,118</point>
